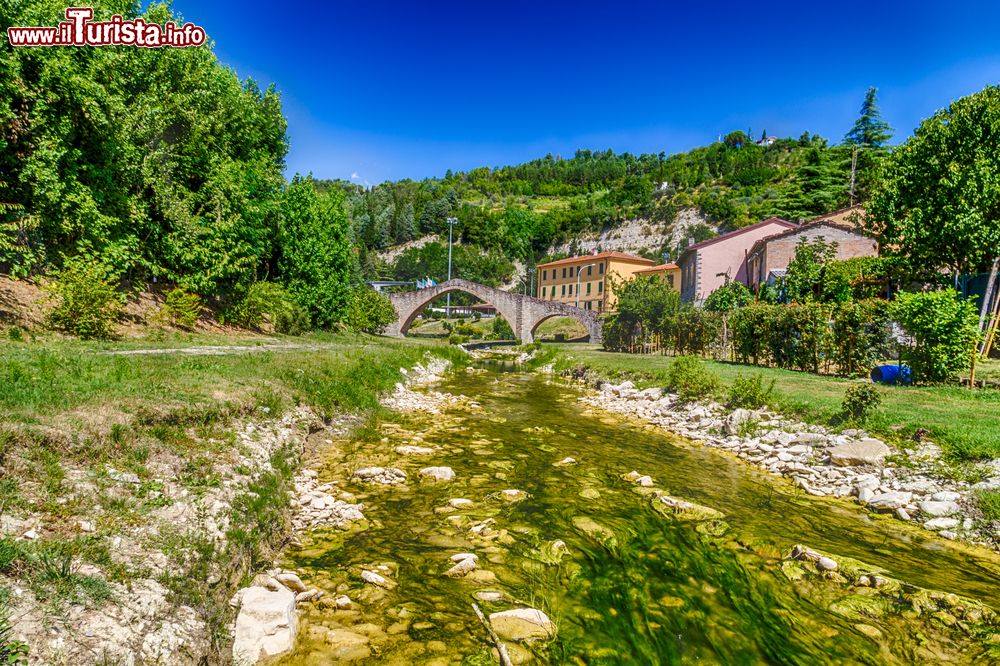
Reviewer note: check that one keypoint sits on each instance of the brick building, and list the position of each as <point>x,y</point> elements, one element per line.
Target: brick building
<point>769,257</point>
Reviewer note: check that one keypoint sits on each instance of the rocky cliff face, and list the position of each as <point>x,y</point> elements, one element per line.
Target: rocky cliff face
<point>634,236</point>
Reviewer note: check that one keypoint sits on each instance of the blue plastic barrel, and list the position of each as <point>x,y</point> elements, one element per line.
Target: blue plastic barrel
<point>891,374</point>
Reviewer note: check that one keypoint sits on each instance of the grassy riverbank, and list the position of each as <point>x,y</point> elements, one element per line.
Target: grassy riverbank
<point>107,456</point>
<point>965,423</point>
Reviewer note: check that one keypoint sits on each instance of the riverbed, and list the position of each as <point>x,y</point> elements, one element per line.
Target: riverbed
<point>622,583</point>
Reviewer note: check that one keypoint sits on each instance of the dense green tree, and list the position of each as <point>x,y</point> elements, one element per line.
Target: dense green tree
<point>937,197</point>
<point>152,162</point>
<point>315,258</point>
<point>869,130</point>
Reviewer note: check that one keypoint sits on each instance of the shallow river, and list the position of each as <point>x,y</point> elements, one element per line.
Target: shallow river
<point>631,586</point>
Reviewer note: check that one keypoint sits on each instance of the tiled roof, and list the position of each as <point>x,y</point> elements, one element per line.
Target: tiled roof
<point>659,269</point>
<point>620,256</point>
<point>818,222</point>
<point>738,232</point>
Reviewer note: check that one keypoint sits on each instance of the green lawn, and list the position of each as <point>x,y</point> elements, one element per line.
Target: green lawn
<point>966,423</point>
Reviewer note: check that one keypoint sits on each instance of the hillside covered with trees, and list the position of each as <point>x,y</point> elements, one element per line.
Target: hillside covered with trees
<point>519,212</point>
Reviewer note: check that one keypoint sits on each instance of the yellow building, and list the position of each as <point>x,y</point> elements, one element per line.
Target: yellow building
<point>585,281</point>
<point>669,272</point>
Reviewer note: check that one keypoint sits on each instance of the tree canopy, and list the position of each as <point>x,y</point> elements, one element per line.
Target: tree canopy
<point>937,196</point>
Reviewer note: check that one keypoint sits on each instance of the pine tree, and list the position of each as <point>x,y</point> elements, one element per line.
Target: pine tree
<point>869,130</point>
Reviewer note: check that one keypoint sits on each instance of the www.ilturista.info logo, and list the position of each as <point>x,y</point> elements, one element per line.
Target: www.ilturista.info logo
<point>79,30</point>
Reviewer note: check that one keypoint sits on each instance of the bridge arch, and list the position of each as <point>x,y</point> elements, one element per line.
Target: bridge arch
<point>523,313</point>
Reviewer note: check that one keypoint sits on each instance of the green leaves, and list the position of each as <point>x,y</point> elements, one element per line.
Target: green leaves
<point>937,198</point>
<point>945,330</point>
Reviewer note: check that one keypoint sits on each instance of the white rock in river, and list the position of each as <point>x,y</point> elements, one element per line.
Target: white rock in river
<point>438,473</point>
<point>566,461</point>
<point>863,452</point>
<point>645,481</point>
<point>462,567</point>
<point>408,450</point>
<point>460,503</point>
<point>946,496</point>
<point>826,564</point>
<point>522,624</point>
<point>891,500</point>
<point>937,509</point>
<point>375,579</point>
<point>865,495</point>
<point>265,626</point>
<point>941,524</point>
<point>513,495</point>
<point>458,557</point>
<point>291,581</point>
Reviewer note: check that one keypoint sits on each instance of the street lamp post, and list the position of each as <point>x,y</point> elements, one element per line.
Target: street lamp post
<point>451,225</point>
<point>531,281</point>
<point>578,271</point>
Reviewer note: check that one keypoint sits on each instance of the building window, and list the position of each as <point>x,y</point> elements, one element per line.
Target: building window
<point>545,275</point>
<point>587,304</point>
<point>543,292</point>
<point>600,287</point>
<point>599,305</point>
<point>588,288</point>
<point>601,269</point>
<point>590,270</point>
<point>670,281</point>
<point>571,290</point>
<point>564,290</point>
<point>564,273</point>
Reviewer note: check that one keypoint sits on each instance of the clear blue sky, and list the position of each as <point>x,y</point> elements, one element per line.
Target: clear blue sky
<point>379,90</point>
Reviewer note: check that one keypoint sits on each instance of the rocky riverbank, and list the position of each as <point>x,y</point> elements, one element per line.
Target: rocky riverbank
<point>267,622</point>
<point>132,608</point>
<point>913,485</point>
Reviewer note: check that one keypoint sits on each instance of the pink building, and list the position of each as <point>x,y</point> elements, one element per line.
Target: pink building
<point>706,266</point>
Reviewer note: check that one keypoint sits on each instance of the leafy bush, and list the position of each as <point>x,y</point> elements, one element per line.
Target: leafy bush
<point>945,330</point>
<point>88,304</point>
<point>181,309</point>
<point>456,339</point>
<point>269,302</point>
<point>690,379</point>
<point>692,330</point>
<point>750,392</point>
<point>860,336</point>
<point>729,297</point>
<point>369,311</point>
<point>502,330</point>
<point>468,330</point>
<point>860,402</point>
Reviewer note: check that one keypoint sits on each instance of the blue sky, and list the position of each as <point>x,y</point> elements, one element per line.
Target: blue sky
<point>379,90</point>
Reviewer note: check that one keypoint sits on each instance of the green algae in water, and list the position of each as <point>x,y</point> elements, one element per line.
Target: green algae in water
<point>628,581</point>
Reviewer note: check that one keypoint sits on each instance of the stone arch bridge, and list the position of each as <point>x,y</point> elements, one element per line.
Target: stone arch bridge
<point>523,313</point>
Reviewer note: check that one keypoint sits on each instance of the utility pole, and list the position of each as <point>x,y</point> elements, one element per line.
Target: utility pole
<point>854,168</point>
<point>578,271</point>
<point>451,225</point>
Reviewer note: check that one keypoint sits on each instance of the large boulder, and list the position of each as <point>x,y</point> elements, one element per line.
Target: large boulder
<point>862,452</point>
<point>523,624</point>
<point>265,626</point>
<point>736,419</point>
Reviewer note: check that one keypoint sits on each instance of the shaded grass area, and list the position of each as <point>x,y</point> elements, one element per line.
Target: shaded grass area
<point>965,423</point>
